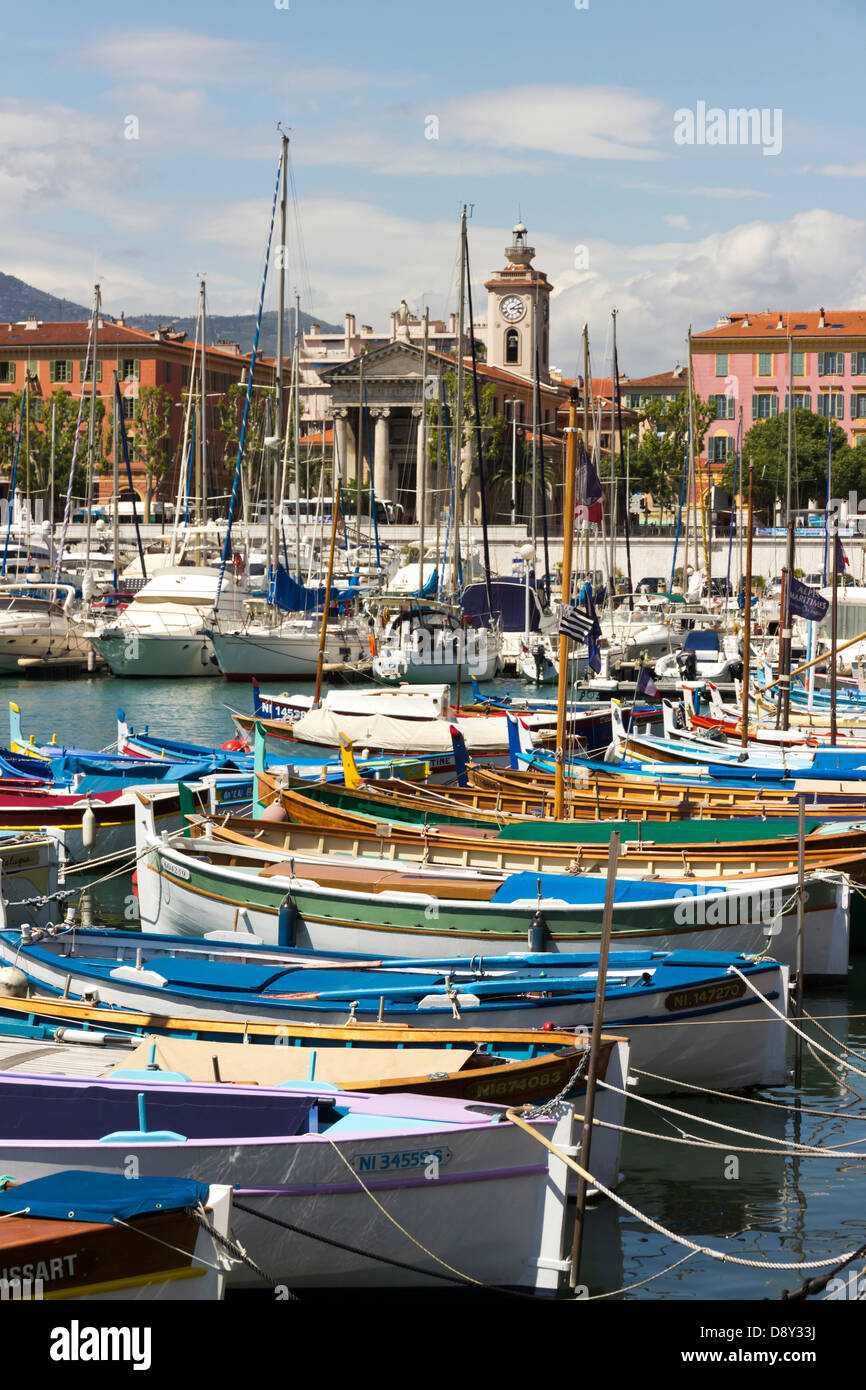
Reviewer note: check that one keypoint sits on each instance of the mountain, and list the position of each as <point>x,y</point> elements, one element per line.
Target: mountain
<point>18,300</point>
<point>235,328</point>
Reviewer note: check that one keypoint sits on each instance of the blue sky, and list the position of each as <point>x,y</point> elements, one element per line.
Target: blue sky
<point>563,114</point>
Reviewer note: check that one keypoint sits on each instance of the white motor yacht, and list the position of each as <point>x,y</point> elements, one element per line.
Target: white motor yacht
<point>163,632</point>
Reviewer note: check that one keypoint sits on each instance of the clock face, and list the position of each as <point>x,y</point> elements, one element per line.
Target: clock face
<point>512,308</point>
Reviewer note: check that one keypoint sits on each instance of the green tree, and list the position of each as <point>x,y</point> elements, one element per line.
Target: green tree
<point>656,465</point>
<point>765,450</point>
<point>153,412</point>
<point>65,409</point>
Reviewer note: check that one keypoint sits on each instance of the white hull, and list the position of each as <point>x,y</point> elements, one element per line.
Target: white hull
<point>272,655</point>
<point>482,1170</point>
<point>180,656</point>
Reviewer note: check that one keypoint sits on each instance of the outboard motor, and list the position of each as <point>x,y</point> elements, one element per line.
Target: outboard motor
<point>687,665</point>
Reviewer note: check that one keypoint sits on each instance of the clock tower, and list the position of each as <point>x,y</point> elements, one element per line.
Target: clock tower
<point>518,312</point>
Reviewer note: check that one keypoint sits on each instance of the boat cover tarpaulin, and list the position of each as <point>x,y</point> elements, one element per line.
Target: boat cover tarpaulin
<point>522,887</point>
<point>286,593</point>
<point>78,1196</point>
<point>268,1066</point>
<point>405,736</point>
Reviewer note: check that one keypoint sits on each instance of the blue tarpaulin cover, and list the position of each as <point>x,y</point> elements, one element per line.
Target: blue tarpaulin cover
<point>586,891</point>
<point>286,593</point>
<point>78,1196</point>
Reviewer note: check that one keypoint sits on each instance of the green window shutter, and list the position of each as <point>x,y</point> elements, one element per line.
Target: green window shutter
<point>853,364</point>
<point>11,371</point>
<point>774,405</point>
<point>755,407</point>
<point>52,370</point>
<point>731,406</point>
<point>854,411</point>
<point>821,364</point>
<point>136,369</point>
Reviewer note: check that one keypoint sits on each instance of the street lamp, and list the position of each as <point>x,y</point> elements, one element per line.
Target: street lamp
<point>515,401</point>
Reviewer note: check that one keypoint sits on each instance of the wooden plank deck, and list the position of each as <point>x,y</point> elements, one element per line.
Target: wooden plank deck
<point>42,1058</point>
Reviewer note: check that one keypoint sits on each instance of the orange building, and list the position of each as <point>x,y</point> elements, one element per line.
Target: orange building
<point>51,357</point>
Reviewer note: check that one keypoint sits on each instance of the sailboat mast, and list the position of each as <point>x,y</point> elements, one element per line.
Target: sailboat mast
<point>273,529</point>
<point>567,540</point>
<point>613,471</point>
<point>586,428</point>
<point>458,422</point>
<point>296,415</point>
<point>115,467</point>
<point>747,616</point>
<point>91,430</point>
<point>785,616</point>
<point>422,498</point>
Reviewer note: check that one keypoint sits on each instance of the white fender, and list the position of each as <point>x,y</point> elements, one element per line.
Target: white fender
<point>617,728</point>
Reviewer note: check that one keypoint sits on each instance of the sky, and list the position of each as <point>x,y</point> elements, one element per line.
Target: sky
<point>139,148</point>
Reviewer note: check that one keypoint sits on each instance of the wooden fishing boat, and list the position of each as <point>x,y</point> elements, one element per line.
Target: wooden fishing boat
<point>106,1236</point>
<point>361,839</point>
<point>196,886</point>
<point>593,794</point>
<point>445,1170</point>
<point>516,1065</point>
<point>675,1008</point>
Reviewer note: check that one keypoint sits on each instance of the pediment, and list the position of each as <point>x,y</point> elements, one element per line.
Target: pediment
<point>397,359</point>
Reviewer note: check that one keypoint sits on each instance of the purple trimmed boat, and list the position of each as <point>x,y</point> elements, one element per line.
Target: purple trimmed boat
<point>306,1163</point>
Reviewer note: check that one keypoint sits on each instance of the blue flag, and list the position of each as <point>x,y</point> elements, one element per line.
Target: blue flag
<point>805,602</point>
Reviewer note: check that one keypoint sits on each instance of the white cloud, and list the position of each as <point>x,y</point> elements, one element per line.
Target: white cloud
<point>576,122</point>
<point>676,220</point>
<point>845,171</point>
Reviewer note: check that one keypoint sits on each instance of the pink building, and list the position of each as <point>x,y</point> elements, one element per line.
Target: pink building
<point>744,364</point>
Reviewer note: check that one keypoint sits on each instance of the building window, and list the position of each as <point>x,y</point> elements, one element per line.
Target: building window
<point>86,370</point>
<point>725,406</point>
<point>36,410</point>
<point>802,400</point>
<point>831,363</point>
<point>765,406</point>
<point>60,370</point>
<point>858,363</point>
<point>168,372</point>
<point>858,406</point>
<point>128,407</point>
<point>720,448</point>
<point>798,363</point>
<point>721,364</point>
<point>7,372</point>
<point>130,369</point>
<point>831,404</point>
<point>765,364</point>
<point>512,345</point>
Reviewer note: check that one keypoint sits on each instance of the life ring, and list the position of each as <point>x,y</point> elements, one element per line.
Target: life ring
<point>371,642</point>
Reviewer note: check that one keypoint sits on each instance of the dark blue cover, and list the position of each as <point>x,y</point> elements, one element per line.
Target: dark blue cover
<point>78,1196</point>
<point>509,604</point>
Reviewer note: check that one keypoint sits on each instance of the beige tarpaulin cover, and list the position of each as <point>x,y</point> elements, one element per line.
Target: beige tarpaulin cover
<point>256,1063</point>
<point>407,736</point>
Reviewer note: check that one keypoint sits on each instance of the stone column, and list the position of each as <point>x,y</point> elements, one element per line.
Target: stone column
<point>382,452</point>
<point>345,435</point>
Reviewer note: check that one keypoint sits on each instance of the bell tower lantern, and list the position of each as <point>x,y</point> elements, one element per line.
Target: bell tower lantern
<point>518,311</point>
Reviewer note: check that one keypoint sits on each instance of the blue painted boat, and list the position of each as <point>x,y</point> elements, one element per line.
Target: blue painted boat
<point>741,1042</point>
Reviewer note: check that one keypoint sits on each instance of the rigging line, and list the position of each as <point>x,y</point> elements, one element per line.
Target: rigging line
<point>67,511</point>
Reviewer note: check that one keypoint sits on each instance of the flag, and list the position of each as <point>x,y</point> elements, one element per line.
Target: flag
<point>588,489</point>
<point>593,637</point>
<point>805,602</point>
<point>841,557</point>
<point>575,624</point>
<point>646,685</point>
